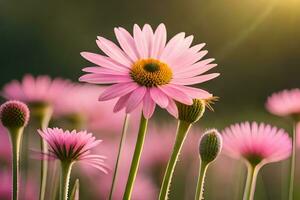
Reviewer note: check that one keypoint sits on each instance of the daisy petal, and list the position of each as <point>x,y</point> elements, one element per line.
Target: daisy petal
<point>113,51</point>
<point>148,106</point>
<point>195,80</point>
<point>127,43</point>
<point>159,97</point>
<point>119,89</point>
<point>135,99</point>
<point>176,94</point>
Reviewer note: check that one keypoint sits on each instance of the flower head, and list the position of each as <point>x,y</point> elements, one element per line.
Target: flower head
<point>14,114</point>
<point>72,147</point>
<point>39,90</point>
<point>256,143</point>
<point>210,145</point>
<point>78,106</point>
<point>284,103</point>
<point>148,70</point>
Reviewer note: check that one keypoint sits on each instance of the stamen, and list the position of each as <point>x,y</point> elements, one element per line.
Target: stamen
<point>151,72</point>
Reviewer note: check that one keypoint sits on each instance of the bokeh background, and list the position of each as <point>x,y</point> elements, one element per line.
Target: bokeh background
<point>256,44</point>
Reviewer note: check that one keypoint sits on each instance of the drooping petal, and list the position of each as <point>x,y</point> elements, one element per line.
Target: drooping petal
<point>176,94</point>
<point>159,97</point>
<point>135,99</point>
<point>117,90</point>
<point>148,106</point>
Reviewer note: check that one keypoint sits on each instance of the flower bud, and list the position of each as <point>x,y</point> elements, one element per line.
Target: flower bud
<point>210,145</point>
<point>14,114</point>
<point>191,113</point>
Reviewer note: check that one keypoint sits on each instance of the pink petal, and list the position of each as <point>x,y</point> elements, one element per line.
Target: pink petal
<point>159,97</point>
<point>179,49</point>
<point>195,72</point>
<point>105,78</point>
<point>148,35</point>
<point>135,99</point>
<point>195,66</point>
<point>113,51</point>
<point>148,106</point>
<point>159,41</point>
<point>127,43</point>
<point>195,93</point>
<point>140,42</point>
<point>104,61</point>
<point>121,103</point>
<point>195,80</point>
<point>176,94</point>
<point>119,89</point>
<point>172,108</point>
<point>102,70</point>
<point>172,44</point>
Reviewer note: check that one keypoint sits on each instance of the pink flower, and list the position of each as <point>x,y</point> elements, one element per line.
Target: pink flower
<point>36,90</point>
<point>258,143</point>
<point>73,147</point>
<point>145,187</point>
<point>28,189</point>
<point>5,148</point>
<point>284,103</point>
<point>80,101</point>
<point>147,70</point>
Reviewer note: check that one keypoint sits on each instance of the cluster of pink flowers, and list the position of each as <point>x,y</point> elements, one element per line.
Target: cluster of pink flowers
<point>143,71</point>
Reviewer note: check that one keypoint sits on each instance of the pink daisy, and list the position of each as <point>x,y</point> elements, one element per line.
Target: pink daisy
<point>256,143</point>
<point>73,147</point>
<point>284,103</point>
<point>148,70</point>
<point>79,102</point>
<point>41,89</point>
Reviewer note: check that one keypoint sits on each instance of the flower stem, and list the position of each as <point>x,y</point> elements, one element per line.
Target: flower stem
<point>121,145</point>
<point>292,164</point>
<point>201,178</point>
<point>66,168</point>
<point>44,122</point>
<point>249,191</point>
<point>16,138</point>
<point>136,157</point>
<point>182,130</point>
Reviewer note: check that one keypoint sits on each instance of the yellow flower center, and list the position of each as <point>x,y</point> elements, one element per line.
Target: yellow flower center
<point>151,72</point>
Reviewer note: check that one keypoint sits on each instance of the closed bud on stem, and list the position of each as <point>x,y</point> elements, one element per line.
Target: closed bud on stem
<point>14,114</point>
<point>210,145</point>
<point>191,113</point>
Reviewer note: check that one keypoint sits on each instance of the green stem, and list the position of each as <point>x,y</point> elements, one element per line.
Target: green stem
<point>249,191</point>
<point>200,183</point>
<point>182,130</point>
<point>16,138</point>
<point>66,168</point>
<point>121,145</point>
<point>136,157</point>
<point>44,120</point>
<point>292,164</point>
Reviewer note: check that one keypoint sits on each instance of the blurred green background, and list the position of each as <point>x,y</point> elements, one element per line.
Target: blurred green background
<point>256,43</point>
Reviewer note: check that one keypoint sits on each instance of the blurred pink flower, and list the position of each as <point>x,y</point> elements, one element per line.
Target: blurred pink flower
<point>144,189</point>
<point>148,70</point>
<point>73,147</point>
<point>5,148</point>
<point>29,191</point>
<point>32,90</point>
<point>81,100</point>
<point>284,103</point>
<point>260,143</point>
